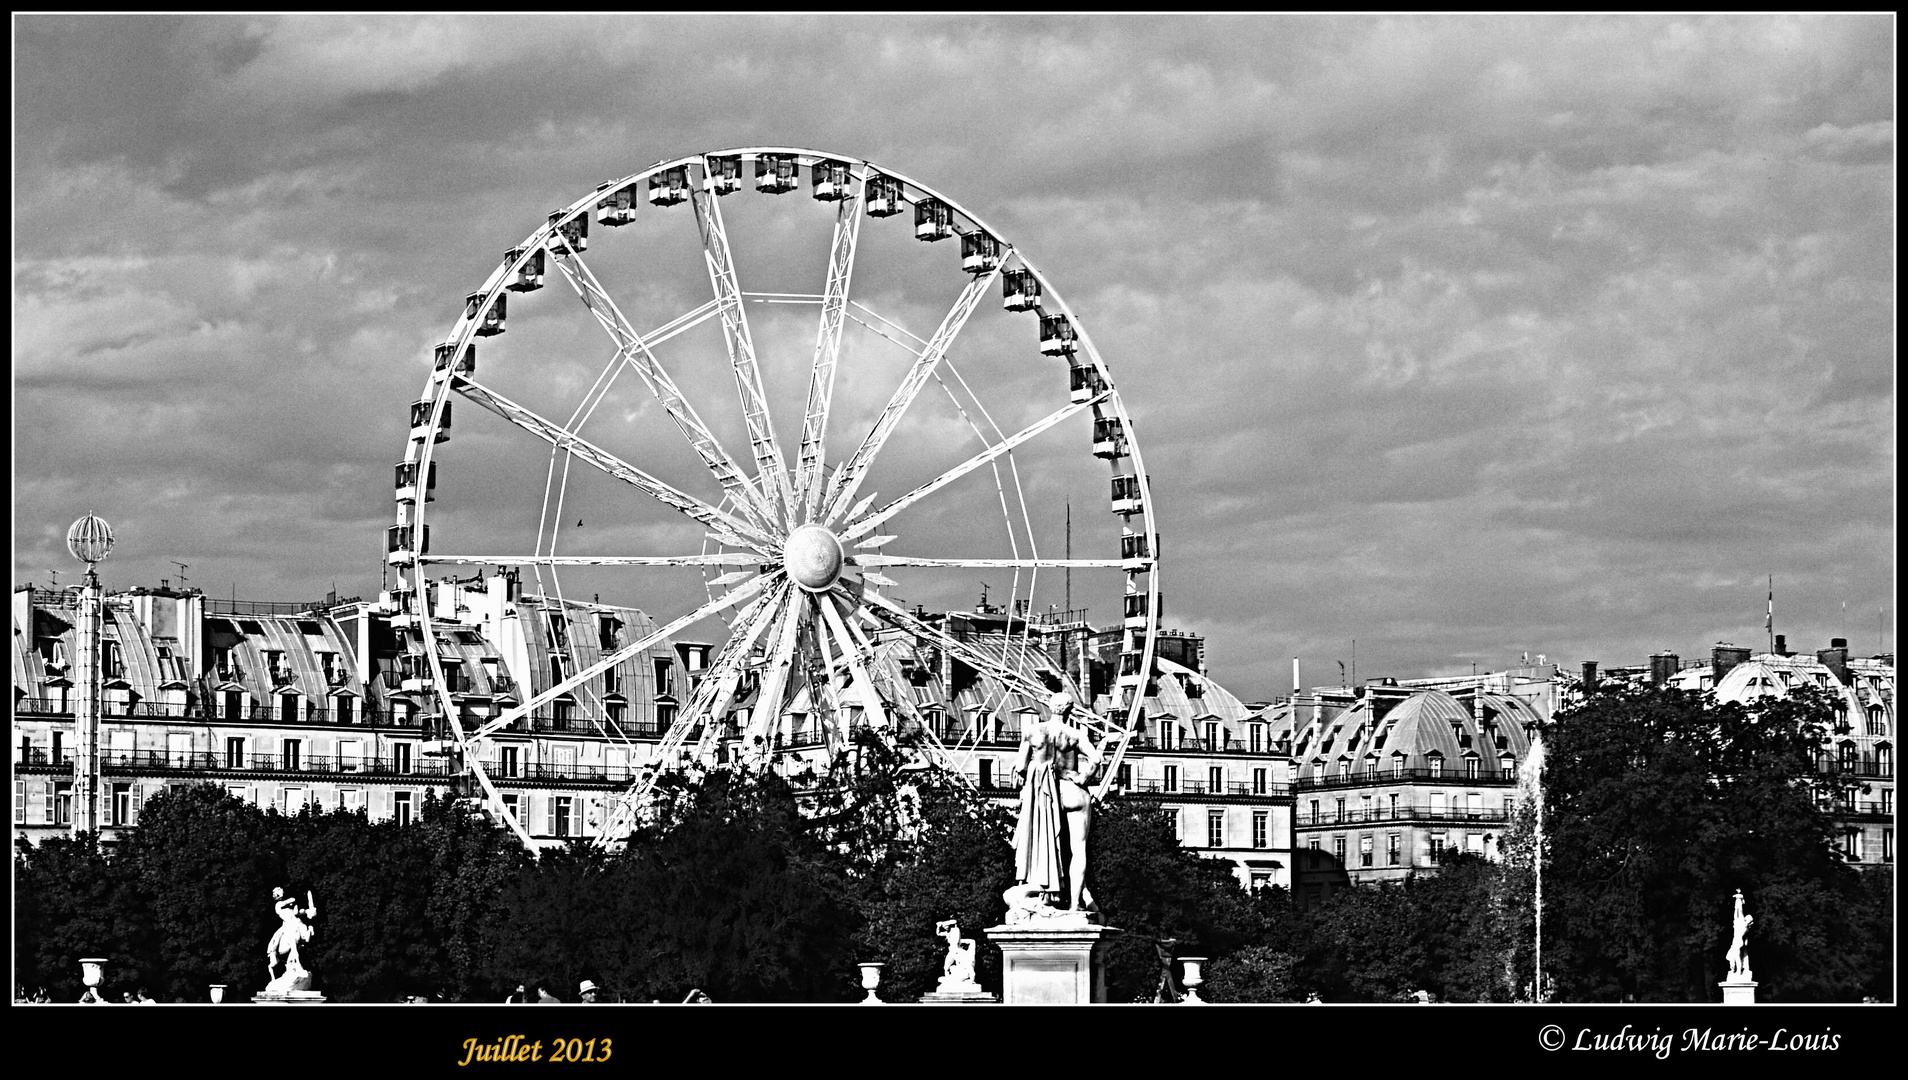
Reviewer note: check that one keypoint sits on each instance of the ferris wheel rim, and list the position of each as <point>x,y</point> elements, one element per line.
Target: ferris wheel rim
<point>439,392</point>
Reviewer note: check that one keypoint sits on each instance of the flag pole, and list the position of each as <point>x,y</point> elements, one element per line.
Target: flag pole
<point>1769,624</point>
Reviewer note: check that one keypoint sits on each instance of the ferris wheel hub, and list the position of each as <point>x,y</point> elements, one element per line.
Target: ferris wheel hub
<point>813,558</point>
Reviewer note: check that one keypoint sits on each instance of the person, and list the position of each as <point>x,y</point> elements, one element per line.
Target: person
<point>545,997</point>
<point>1056,812</point>
<point>144,998</point>
<point>518,996</point>
<point>282,966</point>
<point>586,992</point>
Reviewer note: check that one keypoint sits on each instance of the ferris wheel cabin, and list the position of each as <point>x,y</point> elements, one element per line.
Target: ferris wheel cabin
<point>407,482</point>
<point>831,181</point>
<point>492,321</point>
<point>933,220</point>
<point>1126,495</point>
<point>1057,335</point>
<point>445,356</point>
<point>883,195</point>
<point>1109,441</point>
<point>571,235</point>
<point>777,174</point>
<point>421,422</point>
<point>1019,290</point>
<point>670,186</point>
<point>617,208</point>
<point>529,276</point>
<point>1083,381</point>
<point>980,253</point>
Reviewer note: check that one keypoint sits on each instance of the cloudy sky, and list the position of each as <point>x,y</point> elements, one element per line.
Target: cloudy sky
<point>1460,337</point>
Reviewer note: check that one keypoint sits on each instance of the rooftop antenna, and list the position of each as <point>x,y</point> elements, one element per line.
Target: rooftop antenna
<point>56,579</point>
<point>182,577</point>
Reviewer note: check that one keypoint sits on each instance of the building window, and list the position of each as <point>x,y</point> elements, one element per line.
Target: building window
<point>1364,850</point>
<point>1394,850</point>
<point>401,757</point>
<point>288,708</point>
<point>1258,781</point>
<point>507,762</point>
<point>1215,828</point>
<point>1344,768</point>
<point>19,802</point>
<point>1172,821</point>
<point>294,799</point>
<point>510,801</point>
<point>1884,761</point>
<point>1126,776</point>
<point>1437,846</point>
<point>1216,779</point>
<point>1339,810</point>
<point>343,706</point>
<point>1888,801</point>
<point>1437,804</point>
<point>986,772</point>
<point>1213,744</point>
<point>565,808</point>
<point>63,804</point>
<point>1172,779</point>
<point>1313,842</point>
<point>1371,768</point>
<point>179,749</point>
<point>122,804</point>
<point>662,669</point>
<point>1888,845</point>
<point>1852,844</point>
<point>350,755</point>
<point>1256,735</point>
<point>1338,849</point>
<point>1474,843</point>
<point>401,808</point>
<point>1394,806</point>
<point>1435,762</point>
<point>1259,822</point>
<point>1166,736</point>
<point>1470,768</point>
<point>1364,808</point>
<point>351,800</point>
<point>288,755</point>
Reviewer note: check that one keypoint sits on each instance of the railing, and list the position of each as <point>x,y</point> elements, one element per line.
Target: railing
<point>39,756</point>
<point>1866,768</point>
<point>215,606</point>
<point>210,761</point>
<point>1402,813</point>
<point>1192,745</point>
<point>1201,787</point>
<point>1363,778</point>
<point>531,770</point>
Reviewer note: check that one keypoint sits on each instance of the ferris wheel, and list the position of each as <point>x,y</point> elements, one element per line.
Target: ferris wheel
<point>788,543</point>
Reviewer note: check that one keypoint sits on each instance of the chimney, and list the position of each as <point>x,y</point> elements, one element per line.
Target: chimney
<point>1723,657</point>
<point>1663,666</point>
<point>1782,645</point>
<point>1589,677</point>
<point>1835,658</point>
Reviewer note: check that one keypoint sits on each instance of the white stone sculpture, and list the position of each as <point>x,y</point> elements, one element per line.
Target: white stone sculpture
<point>957,968</point>
<point>282,965</point>
<point>1739,944</point>
<point>1056,811</point>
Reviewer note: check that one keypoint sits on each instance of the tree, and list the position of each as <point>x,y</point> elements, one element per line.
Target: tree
<point>1659,805</point>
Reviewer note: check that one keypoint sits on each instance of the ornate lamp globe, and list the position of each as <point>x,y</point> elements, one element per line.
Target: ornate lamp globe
<point>90,539</point>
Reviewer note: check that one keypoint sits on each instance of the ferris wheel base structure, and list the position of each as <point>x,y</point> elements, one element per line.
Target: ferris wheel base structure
<point>794,549</point>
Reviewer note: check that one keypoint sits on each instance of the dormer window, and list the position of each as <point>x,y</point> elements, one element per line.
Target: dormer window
<point>1435,762</point>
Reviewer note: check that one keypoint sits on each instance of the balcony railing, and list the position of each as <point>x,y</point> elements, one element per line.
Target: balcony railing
<point>1365,778</point>
<point>1401,814</point>
<point>1204,788</point>
<point>139,761</point>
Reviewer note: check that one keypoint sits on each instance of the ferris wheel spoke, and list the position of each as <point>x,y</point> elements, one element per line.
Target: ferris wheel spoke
<point>635,350</point>
<point>726,558</point>
<point>771,472</point>
<point>730,530</point>
<point>854,650</point>
<point>856,468</point>
<point>868,524</point>
<point>890,612</point>
<point>768,701</point>
<point>610,660</point>
<point>984,564</point>
<point>821,379</point>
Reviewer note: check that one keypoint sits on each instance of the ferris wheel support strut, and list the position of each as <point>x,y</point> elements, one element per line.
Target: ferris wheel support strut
<point>821,379</point>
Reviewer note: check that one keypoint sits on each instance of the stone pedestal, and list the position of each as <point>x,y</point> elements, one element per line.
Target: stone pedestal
<point>959,995</point>
<point>1052,961</point>
<point>289,997</point>
<point>1738,991</point>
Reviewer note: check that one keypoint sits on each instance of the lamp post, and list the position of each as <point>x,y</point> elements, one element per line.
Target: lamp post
<point>90,540</point>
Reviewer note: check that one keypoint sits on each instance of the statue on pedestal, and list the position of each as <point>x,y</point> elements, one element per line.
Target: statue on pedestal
<point>1056,811</point>
<point>1739,944</point>
<point>282,966</point>
<point>957,968</point>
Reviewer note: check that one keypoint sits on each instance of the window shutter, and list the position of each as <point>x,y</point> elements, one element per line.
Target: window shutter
<point>138,800</point>
<point>549,815</point>
<point>47,786</point>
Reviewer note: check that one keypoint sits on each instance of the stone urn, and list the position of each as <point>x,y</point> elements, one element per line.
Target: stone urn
<point>1192,979</point>
<point>92,973</point>
<point>870,979</point>
<point>218,992</point>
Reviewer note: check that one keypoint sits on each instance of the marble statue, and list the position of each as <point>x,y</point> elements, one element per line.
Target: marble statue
<point>282,965</point>
<point>1739,944</point>
<point>1050,837</point>
<point>957,968</point>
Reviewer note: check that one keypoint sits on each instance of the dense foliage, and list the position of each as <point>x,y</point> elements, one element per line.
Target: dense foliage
<point>1658,806</point>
